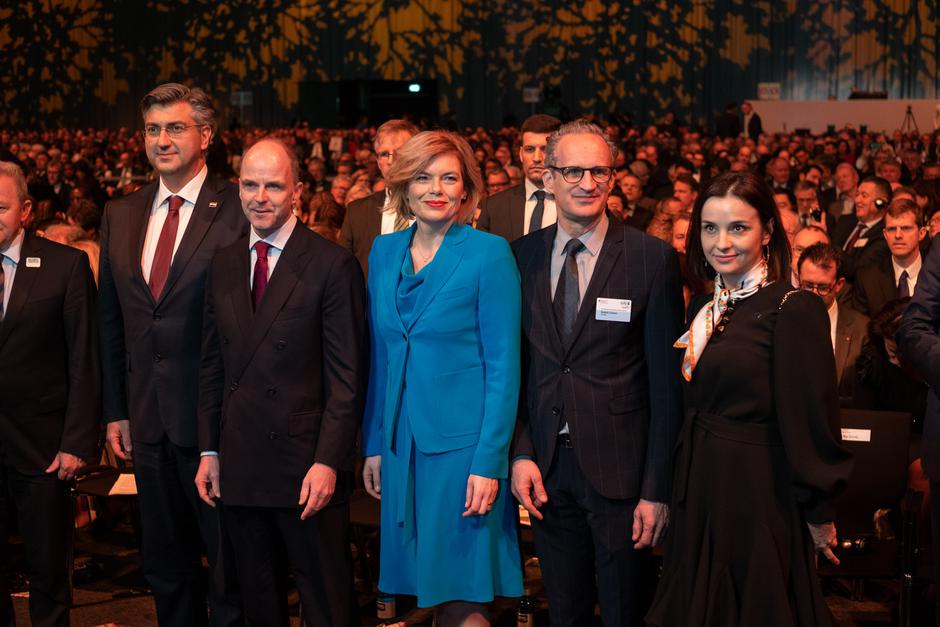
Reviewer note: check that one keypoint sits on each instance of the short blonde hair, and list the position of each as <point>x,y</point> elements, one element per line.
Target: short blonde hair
<point>416,155</point>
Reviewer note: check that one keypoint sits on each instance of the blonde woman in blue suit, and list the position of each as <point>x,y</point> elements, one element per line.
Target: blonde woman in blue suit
<point>444,315</point>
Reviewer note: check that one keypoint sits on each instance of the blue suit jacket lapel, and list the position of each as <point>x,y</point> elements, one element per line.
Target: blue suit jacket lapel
<point>440,269</point>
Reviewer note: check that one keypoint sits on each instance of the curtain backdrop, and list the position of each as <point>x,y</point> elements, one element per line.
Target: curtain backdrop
<point>89,61</point>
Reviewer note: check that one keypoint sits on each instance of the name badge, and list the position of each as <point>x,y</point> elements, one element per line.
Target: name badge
<point>33,262</point>
<point>861,242</point>
<point>856,435</point>
<point>613,309</point>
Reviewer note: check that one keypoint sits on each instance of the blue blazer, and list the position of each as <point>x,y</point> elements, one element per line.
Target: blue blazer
<point>459,356</point>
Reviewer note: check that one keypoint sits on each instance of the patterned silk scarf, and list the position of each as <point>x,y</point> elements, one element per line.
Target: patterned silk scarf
<point>695,339</point>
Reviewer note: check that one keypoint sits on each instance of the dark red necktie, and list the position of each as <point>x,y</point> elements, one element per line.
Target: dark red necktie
<point>163,256</point>
<point>259,281</point>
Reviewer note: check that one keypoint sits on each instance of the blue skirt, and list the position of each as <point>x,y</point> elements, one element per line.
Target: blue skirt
<point>428,549</point>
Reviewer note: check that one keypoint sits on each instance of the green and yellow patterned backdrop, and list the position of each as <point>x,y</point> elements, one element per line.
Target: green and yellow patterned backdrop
<point>89,61</point>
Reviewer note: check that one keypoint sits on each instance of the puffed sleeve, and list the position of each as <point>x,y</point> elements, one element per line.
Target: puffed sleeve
<point>807,400</point>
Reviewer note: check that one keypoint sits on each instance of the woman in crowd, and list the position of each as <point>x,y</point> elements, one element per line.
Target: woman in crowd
<point>444,314</point>
<point>757,460</point>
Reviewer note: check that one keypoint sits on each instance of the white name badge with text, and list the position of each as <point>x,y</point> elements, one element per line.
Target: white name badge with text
<point>613,309</point>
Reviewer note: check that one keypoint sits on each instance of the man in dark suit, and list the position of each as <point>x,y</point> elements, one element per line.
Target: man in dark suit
<point>50,399</point>
<point>919,345</point>
<point>156,245</point>
<point>861,235</point>
<point>365,218</point>
<point>728,124</point>
<point>638,209</point>
<point>819,271</point>
<point>600,406</point>
<point>894,276</point>
<point>281,395</point>
<point>752,123</point>
<point>529,207</point>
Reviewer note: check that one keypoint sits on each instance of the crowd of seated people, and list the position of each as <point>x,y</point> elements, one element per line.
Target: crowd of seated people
<point>819,182</point>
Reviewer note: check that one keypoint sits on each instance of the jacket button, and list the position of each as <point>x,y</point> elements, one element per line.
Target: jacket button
<point>555,411</point>
<point>565,370</point>
<point>272,436</point>
<point>225,340</point>
<point>157,357</point>
<point>157,316</point>
<point>281,345</point>
<point>234,386</point>
<point>271,392</point>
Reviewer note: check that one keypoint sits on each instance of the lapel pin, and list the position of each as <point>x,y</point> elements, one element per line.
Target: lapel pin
<point>213,204</point>
<point>33,262</point>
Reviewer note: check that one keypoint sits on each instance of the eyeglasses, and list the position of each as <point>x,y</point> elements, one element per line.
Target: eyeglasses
<point>385,155</point>
<point>573,174</point>
<point>173,130</point>
<point>823,289</point>
<point>905,229</point>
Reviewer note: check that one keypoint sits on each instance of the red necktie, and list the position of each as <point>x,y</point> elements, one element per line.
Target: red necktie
<point>164,253</point>
<point>260,279</point>
<point>856,235</point>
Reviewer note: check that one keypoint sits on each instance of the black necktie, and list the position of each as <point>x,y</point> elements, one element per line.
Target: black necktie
<point>535,222</point>
<point>567,292</point>
<point>904,290</point>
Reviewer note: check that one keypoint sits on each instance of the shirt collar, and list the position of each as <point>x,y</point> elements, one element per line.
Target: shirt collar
<point>277,239</point>
<point>531,188</point>
<point>592,240</point>
<point>189,192</point>
<point>912,270</point>
<point>15,248</point>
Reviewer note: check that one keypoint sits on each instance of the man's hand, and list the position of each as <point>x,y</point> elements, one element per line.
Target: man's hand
<point>317,489</point>
<point>481,494</point>
<point>65,465</point>
<point>207,479</point>
<point>650,520</point>
<point>527,486</point>
<point>119,437</point>
<point>372,475</point>
<point>824,539</point>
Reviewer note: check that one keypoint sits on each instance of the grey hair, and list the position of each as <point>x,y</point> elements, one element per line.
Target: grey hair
<point>170,93</point>
<point>8,168</point>
<point>578,127</point>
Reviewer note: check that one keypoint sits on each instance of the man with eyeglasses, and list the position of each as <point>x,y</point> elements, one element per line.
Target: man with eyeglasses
<point>600,406</point>
<point>819,268</point>
<point>894,276</point>
<point>156,245</point>
<point>525,208</point>
<point>367,218</point>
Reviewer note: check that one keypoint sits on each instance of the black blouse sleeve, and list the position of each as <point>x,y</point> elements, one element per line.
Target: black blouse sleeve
<point>807,401</point>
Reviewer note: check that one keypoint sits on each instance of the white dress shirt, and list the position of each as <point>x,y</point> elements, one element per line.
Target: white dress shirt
<point>159,212</point>
<point>833,321</point>
<point>277,240</point>
<point>388,218</point>
<point>9,261</point>
<point>912,271</point>
<point>549,215</point>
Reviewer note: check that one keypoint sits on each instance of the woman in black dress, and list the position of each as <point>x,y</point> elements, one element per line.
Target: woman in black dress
<point>758,459</point>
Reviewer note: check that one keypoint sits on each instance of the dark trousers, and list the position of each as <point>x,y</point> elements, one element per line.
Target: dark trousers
<point>935,539</point>
<point>43,509</point>
<point>585,551</point>
<point>177,528</point>
<point>317,550</point>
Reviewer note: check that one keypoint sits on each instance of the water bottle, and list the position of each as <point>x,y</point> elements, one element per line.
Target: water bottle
<point>385,606</point>
<point>525,617</point>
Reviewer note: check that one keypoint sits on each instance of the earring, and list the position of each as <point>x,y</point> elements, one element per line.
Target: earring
<point>766,252</point>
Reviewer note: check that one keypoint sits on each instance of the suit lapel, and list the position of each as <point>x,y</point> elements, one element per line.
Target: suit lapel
<point>374,217</point>
<point>609,254</point>
<point>440,269</point>
<point>22,285</point>
<point>240,293</point>
<point>543,286</point>
<point>843,345</point>
<point>207,206</point>
<point>291,264</point>
<point>517,216</point>
<point>390,287</point>
<point>137,233</point>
